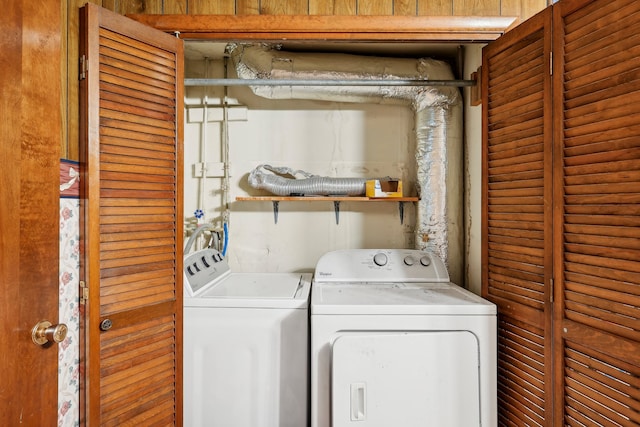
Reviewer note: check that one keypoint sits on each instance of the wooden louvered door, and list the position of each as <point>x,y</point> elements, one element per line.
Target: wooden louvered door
<point>597,211</point>
<point>517,216</point>
<point>131,125</point>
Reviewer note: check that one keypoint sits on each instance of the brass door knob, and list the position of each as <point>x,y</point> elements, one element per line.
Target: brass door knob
<point>44,332</point>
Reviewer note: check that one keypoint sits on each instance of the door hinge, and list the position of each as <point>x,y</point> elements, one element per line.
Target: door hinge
<point>551,290</point>
<point>551,63</point>
<point>82,72</point>
<point>84,292</point>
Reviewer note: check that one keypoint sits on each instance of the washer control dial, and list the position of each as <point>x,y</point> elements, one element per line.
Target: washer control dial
<point>425,260</point>
<point>408,260</point>
<point>380,259</point>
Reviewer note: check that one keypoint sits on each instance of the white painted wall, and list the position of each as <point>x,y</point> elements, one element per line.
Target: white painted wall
<point>324,138</point>
<point>473,175</point>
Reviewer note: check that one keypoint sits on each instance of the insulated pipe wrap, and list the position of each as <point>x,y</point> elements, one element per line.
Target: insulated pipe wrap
<point>438,116</point>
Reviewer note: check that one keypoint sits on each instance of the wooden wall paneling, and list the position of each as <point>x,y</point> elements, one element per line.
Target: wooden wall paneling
<point>476,8</point>
<point>375,7</point>
<point>206,7</point>
<point>332,7</point>
<point>405,7</point>
<point>517,216</point>
<point>175,6</point>
<point>124,7</point>
<point>278,7</point>
<point>597,211</point>
<point>111,5</point>
<point>519,8</point>
<point>139,6</point>
<point>247,7</point>
<point>525,9</point>
<point>435,7</point>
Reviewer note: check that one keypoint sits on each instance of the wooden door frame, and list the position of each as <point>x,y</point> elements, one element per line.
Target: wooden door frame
<point>459,29</point>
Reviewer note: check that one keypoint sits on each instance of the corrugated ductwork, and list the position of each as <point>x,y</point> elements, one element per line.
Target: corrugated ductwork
<point>276,181</point>
<point>438,123</point>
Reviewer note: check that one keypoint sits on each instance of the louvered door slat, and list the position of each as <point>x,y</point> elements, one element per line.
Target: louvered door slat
<point>600,279</point>
<point>612,215</point>
<point>152,103</point>
<point>134,235</point>
<point>604,240</point>
<point>144,126</point>
<point>146,285</point>
<point>112,76</point>
<point>153,141</point>
<point>520,402</point>
<point>124,116</point>
<point>603,178</point>
<point>139,140</point>
<point>155,55</point>
<point>118,57</point>
<point>154,154</point>
<point>585,28</point>
<point>615,377</point>
<point>144,289</point>
<point>111,101</point>
<point>139,236</point>
<point>521,373</point>
<point>605,157</point>
<point>522,261</point>
<point>624,267</point>
<point>517,216</point>
<point>597,176</point>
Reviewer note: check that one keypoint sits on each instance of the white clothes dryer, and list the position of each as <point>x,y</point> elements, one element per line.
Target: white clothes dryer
<point>245,346</point>
<point>394,343</point>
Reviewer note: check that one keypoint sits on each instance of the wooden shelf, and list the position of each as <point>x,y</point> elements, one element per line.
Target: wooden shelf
<point>324,199</point>
<point>275,200</point>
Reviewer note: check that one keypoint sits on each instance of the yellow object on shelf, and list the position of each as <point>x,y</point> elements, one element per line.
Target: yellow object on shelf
<point>384,188</point>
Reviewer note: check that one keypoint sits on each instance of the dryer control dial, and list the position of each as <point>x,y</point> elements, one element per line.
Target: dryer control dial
<point>408,260</point>
<point>425,260</point>
<point>380,259</point>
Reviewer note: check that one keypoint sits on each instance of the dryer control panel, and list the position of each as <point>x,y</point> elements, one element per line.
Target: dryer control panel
<point>380,266</point>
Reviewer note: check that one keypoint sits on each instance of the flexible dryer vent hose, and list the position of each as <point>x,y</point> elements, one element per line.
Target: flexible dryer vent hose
<point>275,181</point>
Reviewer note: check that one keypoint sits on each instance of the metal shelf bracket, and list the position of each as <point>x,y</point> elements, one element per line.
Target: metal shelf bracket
<point>276,206</point>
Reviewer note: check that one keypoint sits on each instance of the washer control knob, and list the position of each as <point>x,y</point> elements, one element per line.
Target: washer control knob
<point>380,259</point>
<point>408,260</point>
<point>425,260</point>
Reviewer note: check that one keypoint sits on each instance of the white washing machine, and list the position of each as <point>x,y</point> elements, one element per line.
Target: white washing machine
<point>245,346</point>
<point>394,343</point>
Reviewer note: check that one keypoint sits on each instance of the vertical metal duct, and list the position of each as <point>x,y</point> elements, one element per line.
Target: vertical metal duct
<point>438,122</point>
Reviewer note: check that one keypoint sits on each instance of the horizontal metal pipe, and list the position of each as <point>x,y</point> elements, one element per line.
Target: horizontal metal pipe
<point>325,82</point>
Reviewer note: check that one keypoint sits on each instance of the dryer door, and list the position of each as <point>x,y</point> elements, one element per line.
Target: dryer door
<point>406,379</point>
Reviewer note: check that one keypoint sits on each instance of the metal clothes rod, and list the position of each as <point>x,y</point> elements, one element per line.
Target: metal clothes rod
<point>324,82</point>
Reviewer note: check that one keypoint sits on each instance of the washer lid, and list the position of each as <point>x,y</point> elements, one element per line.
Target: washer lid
<point>397,298</point>
<point>256,290</point>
